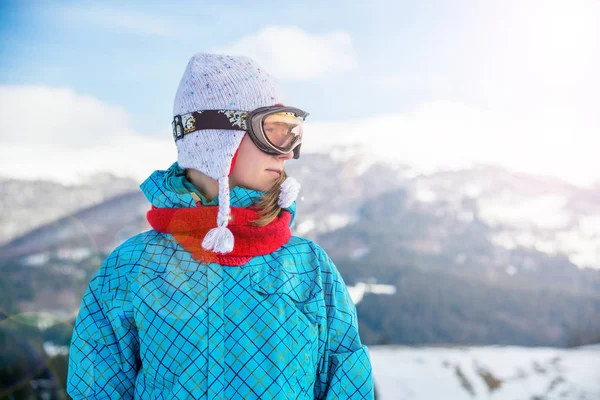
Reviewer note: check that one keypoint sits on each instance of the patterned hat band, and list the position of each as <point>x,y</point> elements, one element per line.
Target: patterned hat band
<point>209,119</point>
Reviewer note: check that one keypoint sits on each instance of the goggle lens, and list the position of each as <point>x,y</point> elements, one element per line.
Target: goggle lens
<point>283,129</point>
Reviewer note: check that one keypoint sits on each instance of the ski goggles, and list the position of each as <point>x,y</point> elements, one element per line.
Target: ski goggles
<point>275,130</point>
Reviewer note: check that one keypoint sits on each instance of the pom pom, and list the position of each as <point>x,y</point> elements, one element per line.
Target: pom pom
<point>289,192</point>
<point>219,240</point>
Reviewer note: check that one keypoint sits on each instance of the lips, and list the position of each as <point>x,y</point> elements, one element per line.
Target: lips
<point>277,171</point>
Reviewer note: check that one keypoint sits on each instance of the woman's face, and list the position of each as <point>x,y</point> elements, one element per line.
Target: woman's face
<point>254,169</point>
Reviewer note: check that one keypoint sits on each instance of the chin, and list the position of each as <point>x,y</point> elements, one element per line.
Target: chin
<point>259,188</point>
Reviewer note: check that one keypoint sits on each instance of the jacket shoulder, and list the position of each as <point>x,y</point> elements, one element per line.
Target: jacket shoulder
<point>304,251</point>
<point>307,245</point>
<point>308,255</point>
<point>126,257</point>
<point>313,249</point>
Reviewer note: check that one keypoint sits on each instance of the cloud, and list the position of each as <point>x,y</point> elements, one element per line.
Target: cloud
<point>451,135</point>
<point>36,139</point>
<point>57,117</point>
<point>56,134</point>
<point>291,53</point>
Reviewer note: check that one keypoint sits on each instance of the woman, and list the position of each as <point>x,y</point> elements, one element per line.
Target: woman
<point>218,300</point>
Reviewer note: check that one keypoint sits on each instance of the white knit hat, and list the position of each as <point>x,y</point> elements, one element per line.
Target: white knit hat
<point>214,82</point>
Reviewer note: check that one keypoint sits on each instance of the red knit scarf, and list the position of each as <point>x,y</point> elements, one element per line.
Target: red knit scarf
<point>190,225</point>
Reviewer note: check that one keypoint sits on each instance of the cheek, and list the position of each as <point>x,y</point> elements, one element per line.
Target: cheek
<point>251,158</point>
<point>250,164</point>
<point>245,170</point>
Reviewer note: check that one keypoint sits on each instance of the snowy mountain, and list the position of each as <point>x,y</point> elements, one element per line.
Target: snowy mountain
<point>521,211</point>
<point>97,228</point>
<point>478,256</point>
<point>536,212</point>
<point>27,205</point>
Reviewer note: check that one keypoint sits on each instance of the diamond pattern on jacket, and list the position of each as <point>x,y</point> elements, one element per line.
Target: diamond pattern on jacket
<point>156,324</point>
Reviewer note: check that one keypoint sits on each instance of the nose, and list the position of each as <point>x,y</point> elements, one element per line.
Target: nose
<point>285,157</point>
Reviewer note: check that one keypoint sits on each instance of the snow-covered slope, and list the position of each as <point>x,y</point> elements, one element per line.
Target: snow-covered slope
<point>490,372</point>
<point>27,205</point>
<point>536,212</point>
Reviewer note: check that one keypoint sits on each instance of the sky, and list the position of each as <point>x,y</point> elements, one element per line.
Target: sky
<point>87,87</point>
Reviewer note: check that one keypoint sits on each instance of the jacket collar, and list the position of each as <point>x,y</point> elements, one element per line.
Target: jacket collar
<point>171,189</point>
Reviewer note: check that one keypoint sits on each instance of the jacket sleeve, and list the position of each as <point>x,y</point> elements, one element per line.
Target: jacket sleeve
<point>104,352</point>
<point>344,370</point>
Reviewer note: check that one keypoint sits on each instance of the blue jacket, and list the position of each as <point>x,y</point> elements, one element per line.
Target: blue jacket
<point>155,323</point>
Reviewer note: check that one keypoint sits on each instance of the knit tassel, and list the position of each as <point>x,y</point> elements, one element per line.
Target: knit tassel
<point>220,239</point>
<point>289,192</point>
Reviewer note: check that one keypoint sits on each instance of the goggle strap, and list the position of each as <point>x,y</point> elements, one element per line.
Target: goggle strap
<point>209,119</point>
